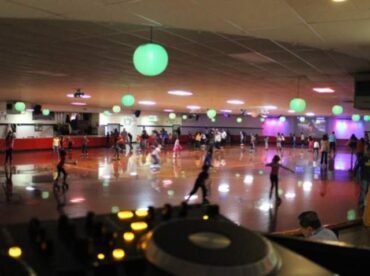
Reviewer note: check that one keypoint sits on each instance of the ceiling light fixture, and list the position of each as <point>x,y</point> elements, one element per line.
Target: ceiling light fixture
<point>168,110</point>
<point>79,94</point>
<point>150,59</point>
<point>291,111</point>
<point>147,102</point>
<point>337,110</point>
<point>310,114</point>
<point>269,107</point>
<point>239,102</point>
<point>193,107</point>
<point>226,110</point>
<point>78,103</point>
<point>297,104</point>
<point>180,93</point>
<point>323,90</point>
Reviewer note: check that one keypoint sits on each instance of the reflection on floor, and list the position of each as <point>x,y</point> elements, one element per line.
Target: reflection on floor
<point>239,184</point>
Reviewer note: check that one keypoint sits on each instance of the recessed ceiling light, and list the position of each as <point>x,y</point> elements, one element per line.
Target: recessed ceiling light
<point>338,1</point>
<point>147,102</point>
<point>168,110</point>
<point>78,103</point>
<point>180,93</point>
<point>310,114</point>
<point>193,107</point>
<point>235,102</point>
<point>226,110</point>
<point>269,107</point>
<point>323,90</point>
<point>70,96</point>
<point>291,111</point>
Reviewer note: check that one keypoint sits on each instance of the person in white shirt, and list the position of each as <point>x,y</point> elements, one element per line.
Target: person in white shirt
<point>223,138</point>
<point>316,148</point>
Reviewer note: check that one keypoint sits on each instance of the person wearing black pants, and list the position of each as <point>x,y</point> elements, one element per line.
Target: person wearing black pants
<point>324,150</point>
<point>200,182</point>
<point>61,170</point>
<point>274,176</point>
<point>9,145</point>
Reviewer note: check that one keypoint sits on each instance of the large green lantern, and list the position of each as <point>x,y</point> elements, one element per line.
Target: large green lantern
<point>116,109</point>
<point>150,59</point>
<point>298,105</point>
<point>239,120</point>
<point>45,112</point>
<point>367,118</point>
<point>356,117</point>
<point>172,116</point>
<point>337,109</point>
<point>106,113</point>
<point>128,100</point>
<point>211,113</point>
<point>20,106</point>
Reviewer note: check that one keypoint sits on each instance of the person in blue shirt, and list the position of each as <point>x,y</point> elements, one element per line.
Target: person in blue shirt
<point>312,229</point>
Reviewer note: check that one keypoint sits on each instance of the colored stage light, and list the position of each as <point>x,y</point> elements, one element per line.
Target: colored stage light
<point>298,105</point>
<point>118,254</point>
<point>123,215</point>
<point>337,109</point>
<point>100,256</point>
<point>15,252</point>
<point>128,236</point>
<point>139,226</point>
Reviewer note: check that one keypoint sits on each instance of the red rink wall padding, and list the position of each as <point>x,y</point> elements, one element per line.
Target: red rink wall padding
<point>25,144</point>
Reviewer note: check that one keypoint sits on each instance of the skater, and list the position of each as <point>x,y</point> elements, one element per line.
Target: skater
<point>274,176</point>
<point>9,145</point>
<point>200,182</point>
<point>266,139</point>
<point>85,142</point>
<point>176,148</point>
<point>316,147</point>
<point>60,169</point>
<point>155,160</point>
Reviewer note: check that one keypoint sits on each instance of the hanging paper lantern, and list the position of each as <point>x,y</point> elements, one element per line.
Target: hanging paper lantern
<point>20,106</point>
<point>367,118</point>
<point>116,109</point>
<point>211,113</point>
<point>150,59</point>
<point>298,105</point>
<point>282,119</point>
<point>262,119</point>
<point>302,119</point>
<point>45,112</point>
<point>239,120</point>
<point>184,117</point>
<point>172,116</point>
<point>128,100</point>
<point>337,109</point>
<point>356,117</point>
<point>106,113</point>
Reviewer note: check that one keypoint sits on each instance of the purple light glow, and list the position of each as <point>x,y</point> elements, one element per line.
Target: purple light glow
<point>272,126</point>
<point>345,128</point>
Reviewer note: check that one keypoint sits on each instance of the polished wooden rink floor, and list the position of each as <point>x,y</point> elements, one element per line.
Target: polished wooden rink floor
<point>239,184</point>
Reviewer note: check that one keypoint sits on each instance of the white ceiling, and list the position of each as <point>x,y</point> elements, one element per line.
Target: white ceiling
<point>220,49</point>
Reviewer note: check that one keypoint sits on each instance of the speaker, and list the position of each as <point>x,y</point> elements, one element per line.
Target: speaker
<point>37,109</point>
<point>362,91</point>
<point>9,106</point>
<point>137,113</point>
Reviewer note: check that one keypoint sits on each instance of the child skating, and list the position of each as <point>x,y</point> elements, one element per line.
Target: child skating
<point>61,170</point>
<point>274,176</point>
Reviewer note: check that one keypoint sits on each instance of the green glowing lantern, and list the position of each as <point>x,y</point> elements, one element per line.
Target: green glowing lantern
<point>114,209</point>
<point>116,109</point>
<point>282,119</point>
<point>262,119</point>
<point>20,106</point>
<point>337,109</point>
<point>128,100</point>
<point>239,120</point>
<point>298,105</point>
<point>302,119</point>
<point>150,59</point>
<point>367,118</point>
<point>106,113</point>
<point>211,113</point>
<point>351,214</point>
<point>45,112</point>
<point>172,116</point>
<point>356,117</point>
<point>184,117</point>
